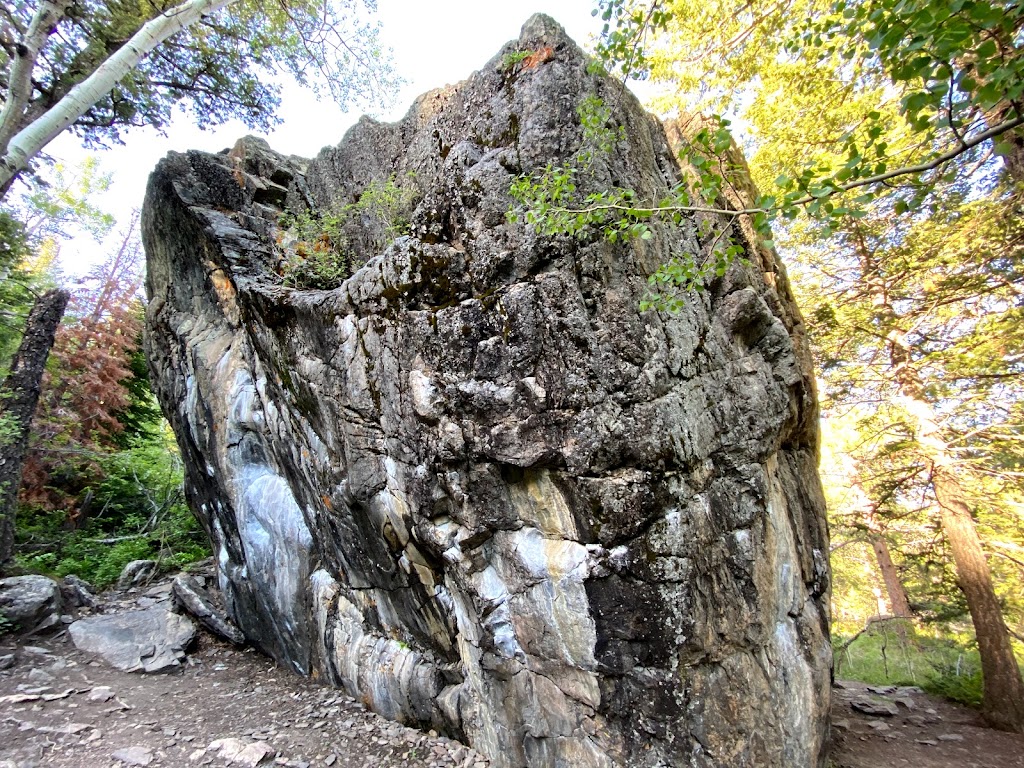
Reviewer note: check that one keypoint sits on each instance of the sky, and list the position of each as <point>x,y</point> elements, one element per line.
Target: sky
<point>435,43</point>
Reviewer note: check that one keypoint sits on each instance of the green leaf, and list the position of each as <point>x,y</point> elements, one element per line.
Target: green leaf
<point>987,49</point>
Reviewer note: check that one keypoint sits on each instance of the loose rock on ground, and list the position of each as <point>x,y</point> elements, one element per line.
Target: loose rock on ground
<point>224,706</point>
<point>228,706</point>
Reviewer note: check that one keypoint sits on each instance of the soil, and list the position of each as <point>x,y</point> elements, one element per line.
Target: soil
<point>61,708</point>
<point>925,732</point>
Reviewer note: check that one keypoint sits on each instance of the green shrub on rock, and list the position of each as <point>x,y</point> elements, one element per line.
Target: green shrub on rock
<point>321,249</point>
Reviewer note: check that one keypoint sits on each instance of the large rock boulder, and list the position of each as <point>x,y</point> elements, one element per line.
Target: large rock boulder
<point>151,640</point>
<point>474,484</point>
<point>31,603</point>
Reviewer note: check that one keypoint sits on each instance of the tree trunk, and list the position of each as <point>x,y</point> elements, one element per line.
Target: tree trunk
<point>899,605</point>
<point>19,78</point>
<point>29,140</point>
<point>1003,697</point>
<point>18,398</point>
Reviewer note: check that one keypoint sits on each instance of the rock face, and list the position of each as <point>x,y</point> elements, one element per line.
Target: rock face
<point>153,640</point>
<point>31,603</point>
<point>474,485</point>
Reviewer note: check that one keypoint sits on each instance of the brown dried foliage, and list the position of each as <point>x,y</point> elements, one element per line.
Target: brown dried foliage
<point>83,390</point>
<point>538,57</point>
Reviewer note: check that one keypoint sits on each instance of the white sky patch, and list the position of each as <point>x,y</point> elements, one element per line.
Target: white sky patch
<point>435,43</point>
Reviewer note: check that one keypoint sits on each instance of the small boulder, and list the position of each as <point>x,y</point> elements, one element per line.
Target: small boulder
<point>876,707</point>
<point>101,693</point>
<point>191,596</point>
<point>153,640</point>
<point>246,754</point>
<point>32,603</point>
<point>78,593</point>
<point>36,675</point>
<point>136,574</point>
<point>134,756</point>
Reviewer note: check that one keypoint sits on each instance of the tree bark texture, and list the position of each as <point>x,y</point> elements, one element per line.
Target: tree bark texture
<point>18,398</point>
<point>898,603</point>
<point>1003,697</point>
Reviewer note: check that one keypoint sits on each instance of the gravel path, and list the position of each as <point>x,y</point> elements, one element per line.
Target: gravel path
<point>61,708</point>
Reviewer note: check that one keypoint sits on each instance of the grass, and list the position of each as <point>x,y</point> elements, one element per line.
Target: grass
<point>940,660</point>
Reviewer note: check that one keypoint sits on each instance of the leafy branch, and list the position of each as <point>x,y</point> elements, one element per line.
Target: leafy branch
<point>953,67</point>
<point>552,202</point>
<point>625,31</point>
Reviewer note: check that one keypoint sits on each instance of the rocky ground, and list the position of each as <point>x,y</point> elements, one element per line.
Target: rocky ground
<point>888,727</point>
<point>224,706</point>
<point>230,706</point>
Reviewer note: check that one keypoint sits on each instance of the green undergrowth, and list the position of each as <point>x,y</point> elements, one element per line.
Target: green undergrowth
<point>93,554</point>
<point>939,659</point>
<point>320,250</point>
<point>136,511</point>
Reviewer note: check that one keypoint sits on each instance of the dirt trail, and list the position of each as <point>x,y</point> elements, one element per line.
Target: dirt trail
<point>223,692</point>
<point>912,728</point>
<point>61,708</point>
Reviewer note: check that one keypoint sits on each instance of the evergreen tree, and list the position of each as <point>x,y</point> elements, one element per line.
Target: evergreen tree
<point>881,120</point>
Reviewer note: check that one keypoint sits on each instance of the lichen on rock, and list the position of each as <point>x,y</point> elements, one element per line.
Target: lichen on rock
<point>474,484</point>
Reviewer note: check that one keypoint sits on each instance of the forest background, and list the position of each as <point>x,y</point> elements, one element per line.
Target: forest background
<point>886,138</point>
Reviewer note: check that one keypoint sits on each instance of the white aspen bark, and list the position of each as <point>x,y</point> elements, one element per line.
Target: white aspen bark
<point>19,82</point>
<point>30,140</point>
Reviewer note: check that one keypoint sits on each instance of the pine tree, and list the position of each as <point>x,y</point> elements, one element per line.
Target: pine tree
<point>877,118</point>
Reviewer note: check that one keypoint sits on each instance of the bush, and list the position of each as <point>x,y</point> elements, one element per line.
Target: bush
<point>956,684</point>
<point>321,250</point>
<point>140,513</point>
<point>98,562</point>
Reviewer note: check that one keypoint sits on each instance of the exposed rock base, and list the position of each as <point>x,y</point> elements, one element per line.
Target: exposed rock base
<point>152,640</point>
<point>475,485</point>
<point>31,603</point>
